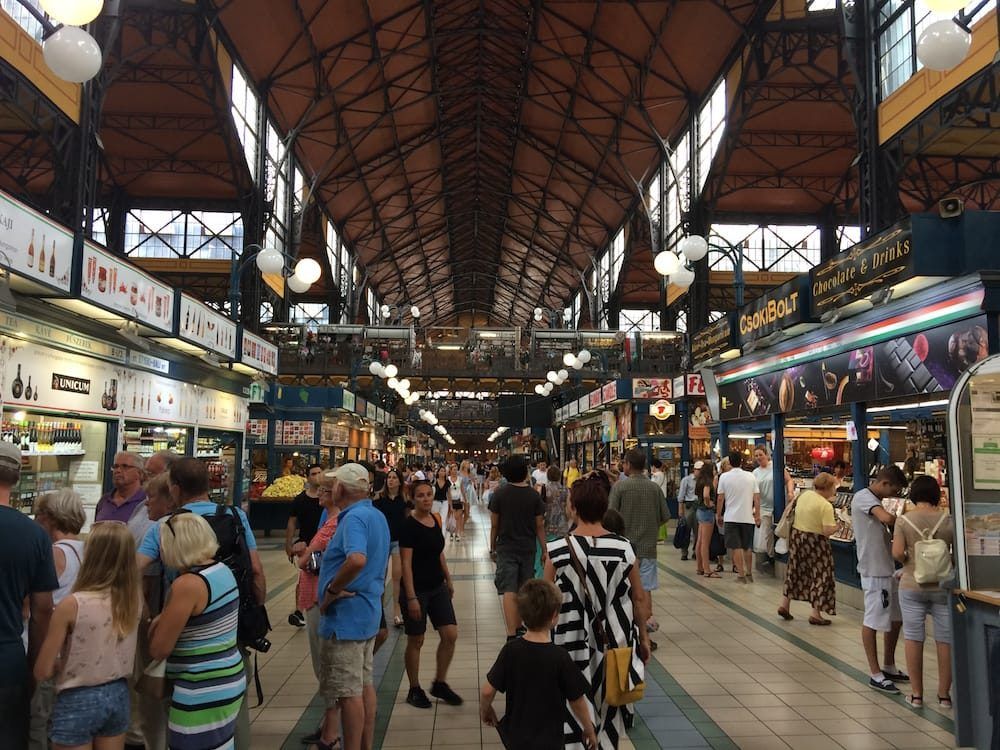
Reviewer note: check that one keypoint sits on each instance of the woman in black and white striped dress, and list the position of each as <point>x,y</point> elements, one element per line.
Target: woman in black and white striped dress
<point>614,591</point>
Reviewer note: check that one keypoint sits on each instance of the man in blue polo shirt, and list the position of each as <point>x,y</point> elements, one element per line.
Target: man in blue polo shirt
<point>351,585</point>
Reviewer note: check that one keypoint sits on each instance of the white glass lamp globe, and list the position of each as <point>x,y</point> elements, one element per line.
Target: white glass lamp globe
<point>422,413</point>
<point>540,389</point>
<point>584,356</point>
<point>563,374</point>
<point>297,285</point>
<point>943,45</point>
<point>415,312</point>
<point>694,247</point>
<point>374,368</point>
<point>684,278</point>
<point>73,12</point>
<point>391,371</point>
<point>308,270</point>
<point>404,384</point>
<point>72,54</point>
<point>577,364</point>
<point>568,358</point>
<point>392,383</point>
<point>547,388</point>
<point>551,376</point>
<point>951,7</point>
<point>666,263</point>
<point>270,261</point>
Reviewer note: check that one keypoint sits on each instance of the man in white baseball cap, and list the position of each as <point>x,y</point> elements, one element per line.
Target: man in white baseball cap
<point>351,585</point>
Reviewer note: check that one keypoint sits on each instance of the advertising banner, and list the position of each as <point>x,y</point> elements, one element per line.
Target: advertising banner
<point>298,432</point>
<point>223,411</point>
<point>63,338</point>
<point>594,399</point>
<point>257,430</point>
<point>349,402</point>
<point>42,378</point>
<point>259,354</point>
<point>122,288</point>
<point>918,363</point>
<point>609,392</point>
<point>332,433</point>
<point>200,324</point>
<point>651,389</point>
<point>157,399</point>
<point>33,246</point>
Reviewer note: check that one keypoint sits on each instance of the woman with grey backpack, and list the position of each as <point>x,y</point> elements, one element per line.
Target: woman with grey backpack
<point>923,543</point>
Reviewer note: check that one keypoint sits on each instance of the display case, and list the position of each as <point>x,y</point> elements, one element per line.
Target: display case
<point>220,451</point>
<point>56,453</point>
<point>146,439</point>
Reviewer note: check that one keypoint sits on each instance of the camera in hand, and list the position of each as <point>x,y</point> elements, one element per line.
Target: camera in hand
<point>315,559</point>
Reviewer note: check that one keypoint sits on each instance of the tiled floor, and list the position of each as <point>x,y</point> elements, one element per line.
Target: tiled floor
<point>728,673</point>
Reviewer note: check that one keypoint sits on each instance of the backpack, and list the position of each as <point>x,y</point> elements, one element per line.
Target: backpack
<point>252,624</point>
<point>931,557</point>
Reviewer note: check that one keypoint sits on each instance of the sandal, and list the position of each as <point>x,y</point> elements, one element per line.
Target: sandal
<point>719,568</point>
<point>784,614</point>
<point>944,702</point>
<point>915,700</point>
<point>701,572</point>
<point>712,574</point>
<point>819,621</point>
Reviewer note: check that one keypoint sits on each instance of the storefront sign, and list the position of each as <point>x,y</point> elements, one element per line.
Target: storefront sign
<point>370,410</point>
<point>33,246</point>
<point>49,335</point>
<point>157,399</point>
<point>712,340</point>
<point>882,261</point>
<point>609,392</point>
<point>360,406</point>
<point>200,324</point>
<point>609,428</point>
<point>148,361</point>
<point>349,401</point>
<point>259,354</point>
<point>582,404</point>
<point>122,288</point>
<point>918,363</point>
<point>773,311</point>
<point>623,415</point>
<point>594,399</point>
<point>698,419</point>
<point>298,432</point>
<point>661,409</point>
<point>30,373</point>
<point>651,388</point>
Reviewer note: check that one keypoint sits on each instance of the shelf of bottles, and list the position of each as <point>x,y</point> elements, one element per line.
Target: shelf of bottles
<point>56,453</point>
<point>145,440</point>
<point>44,438</point>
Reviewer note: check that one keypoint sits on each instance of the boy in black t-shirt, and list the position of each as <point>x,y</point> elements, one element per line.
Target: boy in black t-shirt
<point>538,677</point>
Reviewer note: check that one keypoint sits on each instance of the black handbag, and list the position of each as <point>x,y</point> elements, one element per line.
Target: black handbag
<point>682,535</point>
<point>716,547</point>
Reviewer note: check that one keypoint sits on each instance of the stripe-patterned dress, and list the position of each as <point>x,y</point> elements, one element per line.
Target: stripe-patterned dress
<point>606,561</point>
<point>207,670</point>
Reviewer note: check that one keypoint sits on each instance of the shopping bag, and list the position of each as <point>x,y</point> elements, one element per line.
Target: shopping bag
<point>716,547</point>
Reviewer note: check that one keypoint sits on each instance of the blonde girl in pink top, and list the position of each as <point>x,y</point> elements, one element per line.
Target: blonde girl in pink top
<point>90,646</point>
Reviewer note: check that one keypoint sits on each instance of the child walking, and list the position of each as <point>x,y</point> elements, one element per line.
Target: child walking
<point>90,646</point>
<point>539,679</point>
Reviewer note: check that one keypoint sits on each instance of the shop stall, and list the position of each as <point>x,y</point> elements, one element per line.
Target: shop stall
<point>973,429</point>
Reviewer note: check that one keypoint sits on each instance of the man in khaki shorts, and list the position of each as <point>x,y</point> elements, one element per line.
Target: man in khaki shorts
<point>351,585</point>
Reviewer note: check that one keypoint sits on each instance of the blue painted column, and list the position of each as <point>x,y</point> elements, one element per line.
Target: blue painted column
<point>778,463</point>
<point>682,416</point>
<point>723,439</point>
<point>859,451</point>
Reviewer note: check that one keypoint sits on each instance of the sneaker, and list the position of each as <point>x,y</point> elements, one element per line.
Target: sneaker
<point>418,698</point>
<point>883,686</point>
<point>445,693</point>
<point>297,619</point>
<point>896,676</point>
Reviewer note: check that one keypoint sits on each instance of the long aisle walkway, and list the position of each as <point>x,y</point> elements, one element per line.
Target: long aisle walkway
<point>728,673</point>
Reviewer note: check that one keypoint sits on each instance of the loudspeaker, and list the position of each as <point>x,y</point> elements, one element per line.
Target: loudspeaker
<point>949,208</point>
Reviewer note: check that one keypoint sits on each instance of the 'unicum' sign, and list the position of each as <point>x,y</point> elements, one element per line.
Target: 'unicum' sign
<point>774,310</point>
<point>883,261</point>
